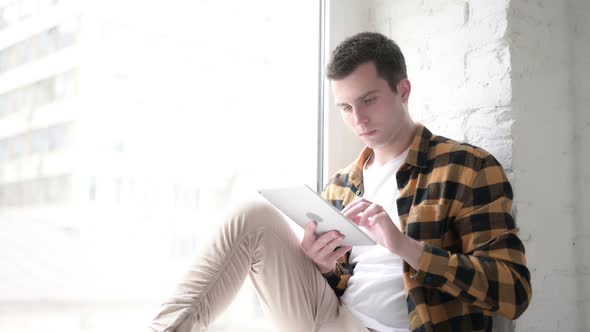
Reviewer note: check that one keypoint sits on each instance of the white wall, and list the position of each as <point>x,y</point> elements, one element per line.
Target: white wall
<point>511,77</point>
<point>548,71</point>
<point>580,43</point>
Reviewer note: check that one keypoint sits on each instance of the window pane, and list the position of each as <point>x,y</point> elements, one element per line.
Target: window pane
<point>171,111</point>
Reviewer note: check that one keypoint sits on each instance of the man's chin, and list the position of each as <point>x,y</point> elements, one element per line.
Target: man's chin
<point>370,144</point>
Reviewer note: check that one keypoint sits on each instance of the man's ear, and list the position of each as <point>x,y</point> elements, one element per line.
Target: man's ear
<point>404,87</point>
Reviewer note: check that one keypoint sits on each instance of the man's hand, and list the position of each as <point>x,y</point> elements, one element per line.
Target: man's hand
<point>321,249</point>
<point>382,229</point>
<point>376,220</point>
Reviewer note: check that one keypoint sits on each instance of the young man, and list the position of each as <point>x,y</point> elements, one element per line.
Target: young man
<point>448,254</point>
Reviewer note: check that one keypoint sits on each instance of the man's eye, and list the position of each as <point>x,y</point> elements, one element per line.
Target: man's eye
<point>346,108</point>
<point>370,100</point>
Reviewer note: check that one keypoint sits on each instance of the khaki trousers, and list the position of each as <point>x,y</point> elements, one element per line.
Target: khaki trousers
<point>255,240</point>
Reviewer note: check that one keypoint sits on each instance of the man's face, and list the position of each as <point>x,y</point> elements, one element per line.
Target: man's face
<point>369,107</point>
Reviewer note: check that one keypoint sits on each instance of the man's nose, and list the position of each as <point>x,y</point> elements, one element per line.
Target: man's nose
<point>359,116</point>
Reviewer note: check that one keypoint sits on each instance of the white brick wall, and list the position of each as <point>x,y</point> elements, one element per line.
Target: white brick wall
<point>452,50</point>
<point>512,77</point>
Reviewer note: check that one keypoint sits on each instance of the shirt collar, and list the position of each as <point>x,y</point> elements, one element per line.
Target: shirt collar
<point>417,156</point>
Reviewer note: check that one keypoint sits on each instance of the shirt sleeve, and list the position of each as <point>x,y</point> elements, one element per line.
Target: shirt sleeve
<point>490,272</point>
<point>338,277</point>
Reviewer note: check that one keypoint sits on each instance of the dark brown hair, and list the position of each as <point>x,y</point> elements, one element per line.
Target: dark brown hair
<point>366,47</point>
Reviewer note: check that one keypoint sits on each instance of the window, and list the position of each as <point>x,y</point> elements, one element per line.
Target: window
<point>39,142</point>
<point>41,93</point>
<point>183,106</point>
<point>40,45</point>
<point>3,151</point>
<point>36,142</point>
<point>3,22</point>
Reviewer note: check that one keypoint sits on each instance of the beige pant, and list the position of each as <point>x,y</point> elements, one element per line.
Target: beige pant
<point>256,240</point>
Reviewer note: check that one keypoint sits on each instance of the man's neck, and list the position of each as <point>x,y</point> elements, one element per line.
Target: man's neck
<point>384,154</point>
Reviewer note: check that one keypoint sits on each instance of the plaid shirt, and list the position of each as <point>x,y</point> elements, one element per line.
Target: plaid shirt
<point>456,199</point>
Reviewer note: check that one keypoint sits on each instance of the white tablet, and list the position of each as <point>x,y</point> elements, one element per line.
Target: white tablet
<point>302,204</point>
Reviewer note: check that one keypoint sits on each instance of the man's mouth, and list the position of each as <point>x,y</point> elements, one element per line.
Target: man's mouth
<point>368,133</point>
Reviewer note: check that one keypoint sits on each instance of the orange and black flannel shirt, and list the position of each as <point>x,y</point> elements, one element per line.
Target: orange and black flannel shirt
<point>456,199</point>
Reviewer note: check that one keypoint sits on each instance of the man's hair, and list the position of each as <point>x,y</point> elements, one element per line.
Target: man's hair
<point>366,47</point>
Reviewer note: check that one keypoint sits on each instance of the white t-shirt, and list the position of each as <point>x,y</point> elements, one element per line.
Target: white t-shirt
<point>375,292</point>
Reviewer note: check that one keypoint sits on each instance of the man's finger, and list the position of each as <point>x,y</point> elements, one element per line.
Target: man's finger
<point>370,211</point>
<point>355,219</point>
<point>375,218</point>
<point>320,242</point>
<point>309,234</point>
<point>353,204</point>
<point>329,248</point>
<point>339,252</point>
<point>355,210</point>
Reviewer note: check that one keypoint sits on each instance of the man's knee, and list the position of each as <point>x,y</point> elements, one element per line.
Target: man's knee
<point>253,213</point>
